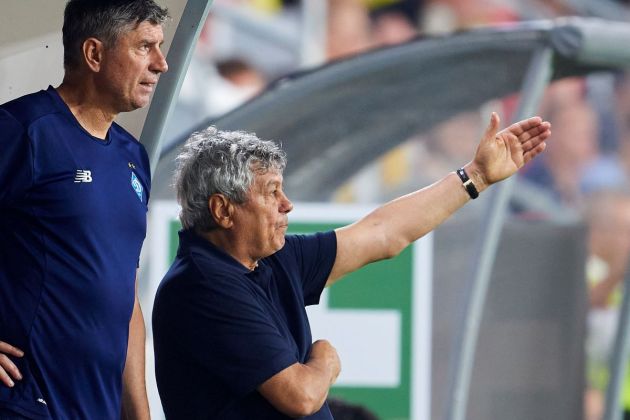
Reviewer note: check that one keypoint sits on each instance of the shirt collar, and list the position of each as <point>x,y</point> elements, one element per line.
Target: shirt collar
<point>189,241</point>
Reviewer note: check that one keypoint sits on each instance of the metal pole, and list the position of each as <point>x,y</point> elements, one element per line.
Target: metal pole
<point>314,32</point>
<point>618,361</point>
<point>167,90</point>
<point>537,77</point>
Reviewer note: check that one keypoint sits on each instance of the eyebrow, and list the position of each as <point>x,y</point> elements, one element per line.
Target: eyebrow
<point>273,182</point>
<point>151,41</point>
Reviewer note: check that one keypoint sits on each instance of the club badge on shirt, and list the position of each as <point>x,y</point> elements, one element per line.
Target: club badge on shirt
<point>136,185</point>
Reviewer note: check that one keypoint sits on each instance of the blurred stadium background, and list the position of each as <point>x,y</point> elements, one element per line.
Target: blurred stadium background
<point>375,98</point>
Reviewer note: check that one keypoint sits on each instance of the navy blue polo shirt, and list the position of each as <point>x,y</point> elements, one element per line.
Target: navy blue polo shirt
<point>220,330</point>
<point>72,222</point>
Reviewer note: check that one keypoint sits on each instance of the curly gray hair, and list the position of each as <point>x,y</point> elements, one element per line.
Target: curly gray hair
<point>220,162</point>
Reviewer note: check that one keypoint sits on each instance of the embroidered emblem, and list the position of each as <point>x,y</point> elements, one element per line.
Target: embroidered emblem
<point>83,175</point>
<point>41,401</point>
<point>131,165</point>
<point>136,185</point>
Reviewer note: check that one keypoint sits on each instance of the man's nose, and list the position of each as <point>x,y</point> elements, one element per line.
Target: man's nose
<point>286,206</point>
<point>159,64</point>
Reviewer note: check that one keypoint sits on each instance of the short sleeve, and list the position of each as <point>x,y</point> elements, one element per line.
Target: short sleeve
<point>223,328</point>
<point>147,171</point>
<point>315,255</point>
<point>15,160</point>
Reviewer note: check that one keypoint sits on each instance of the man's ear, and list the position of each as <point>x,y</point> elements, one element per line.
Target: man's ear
<point>221,210</point>
<point>93,53</point>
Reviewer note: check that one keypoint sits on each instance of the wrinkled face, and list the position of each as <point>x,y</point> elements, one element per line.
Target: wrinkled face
<point>262,220</point>
<point>131,68</point>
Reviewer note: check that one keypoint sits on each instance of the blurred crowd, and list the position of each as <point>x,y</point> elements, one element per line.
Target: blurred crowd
<point>585,170</point>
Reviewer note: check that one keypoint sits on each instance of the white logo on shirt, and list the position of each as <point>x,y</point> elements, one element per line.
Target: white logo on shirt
<point>83,176</point>
<point>41,401</point>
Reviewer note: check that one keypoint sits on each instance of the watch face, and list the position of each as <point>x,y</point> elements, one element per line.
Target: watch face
<point>468,184</point>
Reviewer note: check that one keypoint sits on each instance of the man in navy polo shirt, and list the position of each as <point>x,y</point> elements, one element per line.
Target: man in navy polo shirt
<point>74,187</point>
<point>232,339</point>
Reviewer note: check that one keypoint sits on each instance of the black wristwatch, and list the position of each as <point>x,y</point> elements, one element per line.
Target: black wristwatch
<point>468,184</point>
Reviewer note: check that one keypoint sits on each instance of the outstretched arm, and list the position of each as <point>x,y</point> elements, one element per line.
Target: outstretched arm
<point>389,229</point>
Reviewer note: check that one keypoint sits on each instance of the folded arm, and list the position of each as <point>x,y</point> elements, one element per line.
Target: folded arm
<point>301,389</point>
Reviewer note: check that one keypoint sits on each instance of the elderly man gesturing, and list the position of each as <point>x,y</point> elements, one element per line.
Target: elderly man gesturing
<point>232,337</point>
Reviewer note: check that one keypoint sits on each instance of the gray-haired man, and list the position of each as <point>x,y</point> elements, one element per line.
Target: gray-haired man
<point>232,338</point>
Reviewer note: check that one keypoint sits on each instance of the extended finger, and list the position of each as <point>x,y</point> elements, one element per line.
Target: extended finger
<point>9,349</point>
<point>6,379</point>
<point>532,153</point>
<point>534,131</point>
<point>8,371</point>
<point>521,127</point>
<point>493,126</point>
<point>536,139</point>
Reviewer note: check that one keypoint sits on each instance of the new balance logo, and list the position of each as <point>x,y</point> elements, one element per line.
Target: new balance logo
<point>83,176</point>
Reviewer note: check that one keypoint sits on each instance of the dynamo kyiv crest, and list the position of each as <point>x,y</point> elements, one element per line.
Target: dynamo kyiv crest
<point>136,185</point>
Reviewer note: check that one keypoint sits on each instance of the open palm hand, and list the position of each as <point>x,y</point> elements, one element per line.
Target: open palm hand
<point>501,153</point>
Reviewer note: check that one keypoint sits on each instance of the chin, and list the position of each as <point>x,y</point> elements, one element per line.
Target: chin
<point>280,244</point>
<point>139,104</point>
<point>139,99</point>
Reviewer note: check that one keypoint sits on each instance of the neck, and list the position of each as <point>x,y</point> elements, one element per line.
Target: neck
<point>84,104</point>
<point>222,239</point>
